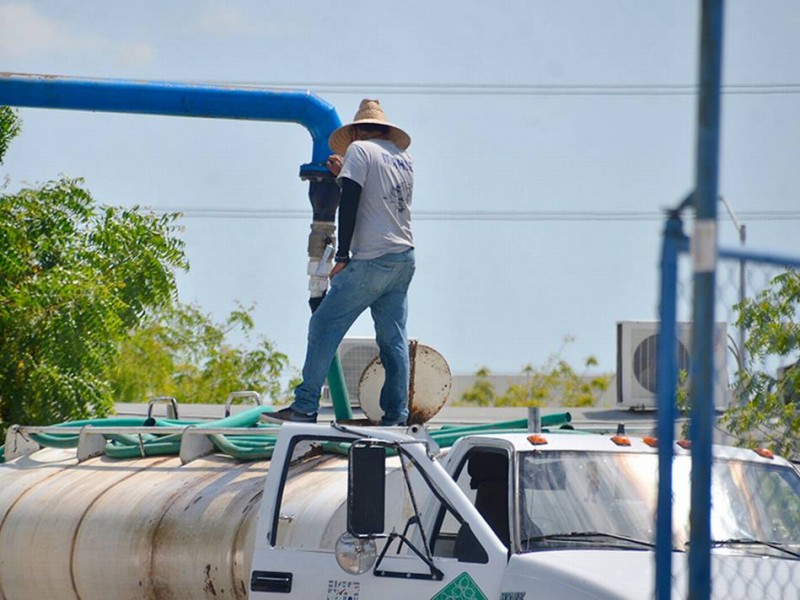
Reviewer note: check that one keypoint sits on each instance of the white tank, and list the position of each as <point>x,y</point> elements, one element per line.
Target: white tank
<point>149,527</point>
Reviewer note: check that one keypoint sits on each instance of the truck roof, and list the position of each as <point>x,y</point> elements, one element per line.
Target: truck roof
<point>563,441</point>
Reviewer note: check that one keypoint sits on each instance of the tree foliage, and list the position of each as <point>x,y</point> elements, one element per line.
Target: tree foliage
<point>75,279</point>
<point>556,380</point>
<point>10,126</point>
<point>482,391</point>
<point>181,352</point>
<point>769,413</point>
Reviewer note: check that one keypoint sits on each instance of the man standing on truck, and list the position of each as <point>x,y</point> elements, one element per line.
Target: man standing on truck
<point>374,261</point>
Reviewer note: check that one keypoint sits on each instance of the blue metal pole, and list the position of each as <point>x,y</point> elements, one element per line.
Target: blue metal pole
<point>177,99</point>
<point>704,259</point>
<point>674,242</point>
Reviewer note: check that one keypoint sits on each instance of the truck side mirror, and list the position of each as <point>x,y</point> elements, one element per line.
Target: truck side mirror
<point>366,489</point>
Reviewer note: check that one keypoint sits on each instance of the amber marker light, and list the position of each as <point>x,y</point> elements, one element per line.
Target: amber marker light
<point>685,444</point>
<point>621,440</point>
<point>764,452</point>
<point>650,441</point>
<point>537,440</point>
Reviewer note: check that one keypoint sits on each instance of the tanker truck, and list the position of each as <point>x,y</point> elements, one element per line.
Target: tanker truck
<point>342,511</point>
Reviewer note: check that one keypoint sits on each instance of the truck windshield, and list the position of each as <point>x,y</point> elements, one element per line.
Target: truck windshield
<point>582,499</point>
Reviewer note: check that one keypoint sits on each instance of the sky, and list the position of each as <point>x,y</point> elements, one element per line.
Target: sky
<point>548,139</point>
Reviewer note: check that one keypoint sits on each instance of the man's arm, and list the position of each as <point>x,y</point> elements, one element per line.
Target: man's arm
<point>348,208</point>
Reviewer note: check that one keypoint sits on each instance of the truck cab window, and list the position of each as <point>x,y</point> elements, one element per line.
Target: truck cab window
<point>314,466</point>
<point>483,477</point>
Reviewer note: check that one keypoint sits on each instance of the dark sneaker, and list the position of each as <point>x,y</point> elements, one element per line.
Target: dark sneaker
<point>288,414</point>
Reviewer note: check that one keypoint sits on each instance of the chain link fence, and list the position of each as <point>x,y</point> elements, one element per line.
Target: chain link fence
<point>755,545</point>
<point>736,281</point>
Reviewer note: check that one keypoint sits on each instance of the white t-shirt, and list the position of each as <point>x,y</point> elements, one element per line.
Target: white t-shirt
<point>386,176</point>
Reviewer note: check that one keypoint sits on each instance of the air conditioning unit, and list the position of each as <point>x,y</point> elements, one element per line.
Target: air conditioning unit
<point>637,362</point>
<point>355,353</point>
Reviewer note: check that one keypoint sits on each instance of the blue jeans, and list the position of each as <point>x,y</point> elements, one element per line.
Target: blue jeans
<point>380,284</point>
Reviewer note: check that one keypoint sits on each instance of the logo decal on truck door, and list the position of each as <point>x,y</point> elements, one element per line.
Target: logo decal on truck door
<point>343,590</point>
<point>462,587</point>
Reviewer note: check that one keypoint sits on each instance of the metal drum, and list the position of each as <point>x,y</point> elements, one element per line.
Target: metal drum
<point>428,390</point>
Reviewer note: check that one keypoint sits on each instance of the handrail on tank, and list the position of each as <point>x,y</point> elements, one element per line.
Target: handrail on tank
<point>242,436</point>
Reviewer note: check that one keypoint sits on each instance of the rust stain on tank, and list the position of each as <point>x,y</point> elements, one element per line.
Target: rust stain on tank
<point>419,417</point>
<point>412,358</point>
<point>208,586</point>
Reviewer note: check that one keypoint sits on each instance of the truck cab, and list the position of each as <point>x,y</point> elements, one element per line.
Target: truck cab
<point>380,504</point>
<point>512,516</point>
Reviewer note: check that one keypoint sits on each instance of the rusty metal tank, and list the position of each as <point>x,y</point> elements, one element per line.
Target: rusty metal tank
<point>146,527</point>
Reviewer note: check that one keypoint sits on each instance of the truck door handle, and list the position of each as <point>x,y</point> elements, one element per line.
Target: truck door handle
<point>271,581</point>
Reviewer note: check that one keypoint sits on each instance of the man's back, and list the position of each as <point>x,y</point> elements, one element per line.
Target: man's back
<point>386,176</point>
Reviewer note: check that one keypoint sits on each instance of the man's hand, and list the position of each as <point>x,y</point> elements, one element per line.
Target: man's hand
<point>336,268</point>
<point>334,164</point>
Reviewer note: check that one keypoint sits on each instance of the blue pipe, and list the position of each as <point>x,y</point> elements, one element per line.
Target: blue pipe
<point>178,99</point>
<point>777,260</point>
<point>674,242</point>
<point>704,264</point>
<point>208,101</point>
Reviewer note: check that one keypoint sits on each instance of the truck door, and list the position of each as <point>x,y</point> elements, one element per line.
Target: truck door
<point>437,545</point>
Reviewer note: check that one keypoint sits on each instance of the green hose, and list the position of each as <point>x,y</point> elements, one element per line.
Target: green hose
<point>247,447</point>
<point>553,420</point>
<point>55,440</point>
<point>259,447</point>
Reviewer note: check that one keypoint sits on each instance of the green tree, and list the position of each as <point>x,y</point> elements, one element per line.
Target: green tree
<point>482,391</point>
<point>10,126</point>
<point>75,279</point>
<point>769,409</point>
<point>555,380</point>
<point>181,352</point>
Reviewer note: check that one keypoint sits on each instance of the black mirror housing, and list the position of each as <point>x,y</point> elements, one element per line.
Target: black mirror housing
<point>366,490</point>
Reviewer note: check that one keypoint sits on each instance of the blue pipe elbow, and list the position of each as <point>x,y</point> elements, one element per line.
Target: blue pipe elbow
<point>179,99</point>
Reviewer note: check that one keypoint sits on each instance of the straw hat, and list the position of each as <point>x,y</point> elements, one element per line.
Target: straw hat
<point>369,111</point>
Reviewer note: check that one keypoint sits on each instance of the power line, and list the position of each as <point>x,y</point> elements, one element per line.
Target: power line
<point>471,215</point>
<point>499,89</point>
